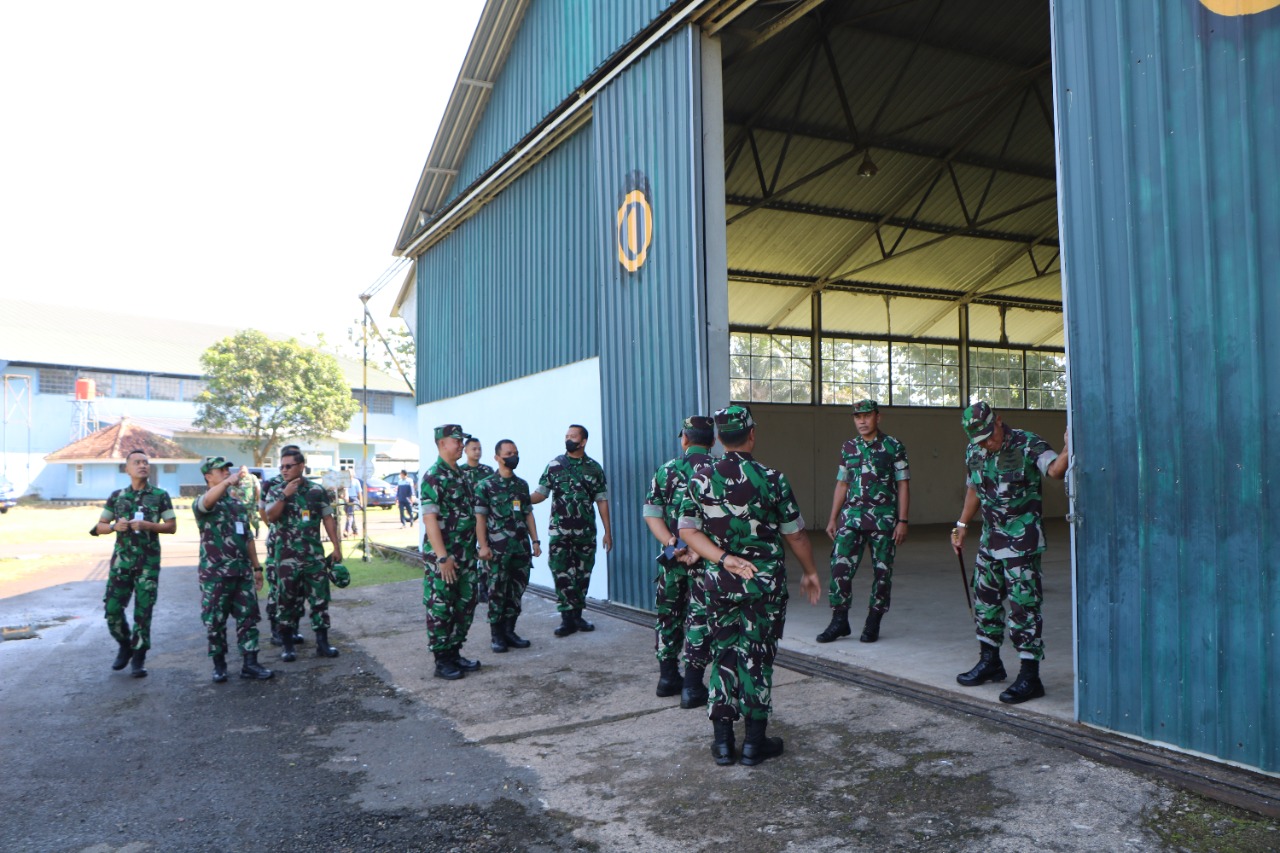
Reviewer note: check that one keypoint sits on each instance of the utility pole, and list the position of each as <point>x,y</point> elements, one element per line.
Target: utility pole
<point>364,450</point>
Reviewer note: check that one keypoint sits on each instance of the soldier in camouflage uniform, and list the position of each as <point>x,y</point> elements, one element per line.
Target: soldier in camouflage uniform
<point>680,599</point>
<point>273,578</point>
<point>136,515</point>
<point>449,577</point>
<point>868,509</point>
<point>574,481</point>
<point>735,515</point>
<point>476,471</point>
<point>227,554</point>
<point>249,493</point>
<point>504,525</point>
<point>1006,467</point>
<point>300,507</point>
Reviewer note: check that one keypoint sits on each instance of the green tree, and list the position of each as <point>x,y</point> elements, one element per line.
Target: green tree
<point>269,390</point>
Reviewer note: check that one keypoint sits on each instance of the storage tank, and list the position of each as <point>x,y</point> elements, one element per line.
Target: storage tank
<point>86,389</point>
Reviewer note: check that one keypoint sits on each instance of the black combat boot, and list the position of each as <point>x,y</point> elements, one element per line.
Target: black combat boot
<point>219,669</point>
<point>138,662</point>
<point>694,693</point>
<point>838,628</point>
<point>722,746</point>
<point>252,669</point>
<point>286,638</point>
<point>988,668</point>
<point>583,624</point>
<point>122,657</point>
<point>464,664</point>
<point>669,679</point>
<point>323,649</point>
<point>482,592</point>
<point>298,639</point>
<point>446,668</point>
<point>514,640</point>
<point>757,746</point>
<point>1026,686</point>
<point>498,637</point>
<point>276,639</point>
<point>567,625</point>
<point>871,630</point>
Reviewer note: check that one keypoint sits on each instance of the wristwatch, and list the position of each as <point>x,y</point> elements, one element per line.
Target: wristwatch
<point>961,524</point>
<point>720,562</point>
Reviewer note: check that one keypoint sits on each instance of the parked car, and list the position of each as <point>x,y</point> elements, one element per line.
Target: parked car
<point>380,493</point>
<point>9,498</point>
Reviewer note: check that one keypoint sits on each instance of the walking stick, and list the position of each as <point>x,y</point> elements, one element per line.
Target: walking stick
<point>965,579</point>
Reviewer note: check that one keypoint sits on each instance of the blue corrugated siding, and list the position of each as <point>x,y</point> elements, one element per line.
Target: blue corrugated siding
<point>1169,127</point>
<point>649,120</point>
<point>559,44</point>
<point>527,261</point>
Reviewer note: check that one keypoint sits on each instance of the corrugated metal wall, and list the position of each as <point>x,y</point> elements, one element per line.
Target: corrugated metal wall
<point>528,263</point>
<point>559,44</point>
<point>649,122</point>
<point>1169,127</point>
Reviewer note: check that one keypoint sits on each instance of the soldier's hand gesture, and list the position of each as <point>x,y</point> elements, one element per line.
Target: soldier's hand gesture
<point>537,550</point>
<point>831,530</point>
<point>810,586</point>
<point>957,539</point>
<point>485,553</point>
<point>291,487</point>
<point>448,569</point>
<point>740,566</point>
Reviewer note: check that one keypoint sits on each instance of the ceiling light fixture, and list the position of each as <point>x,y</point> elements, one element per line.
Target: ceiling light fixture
<point>868,169</point>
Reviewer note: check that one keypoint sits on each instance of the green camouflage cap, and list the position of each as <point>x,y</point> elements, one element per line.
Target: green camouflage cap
<point>863,406</point>
<point>734,418</point>
<point>450,431</point>
<point>979,422</point>
<point>467,438</point>
<point>698,422</point>
<point>339,575</point>
<point>213,463</point>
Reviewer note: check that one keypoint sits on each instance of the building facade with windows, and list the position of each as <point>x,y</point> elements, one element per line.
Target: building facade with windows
<point>152,378</point>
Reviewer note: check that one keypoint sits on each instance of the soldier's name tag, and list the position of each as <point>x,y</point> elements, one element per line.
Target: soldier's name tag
<point>306,515</point>
<point>515,504</point>
<point>239,528</point>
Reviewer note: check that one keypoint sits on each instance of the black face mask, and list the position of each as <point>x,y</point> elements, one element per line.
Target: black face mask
<point>511,462</point>
<point>572,446</point>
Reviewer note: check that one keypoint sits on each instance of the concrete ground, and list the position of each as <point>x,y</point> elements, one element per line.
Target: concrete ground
<point>563,746</point>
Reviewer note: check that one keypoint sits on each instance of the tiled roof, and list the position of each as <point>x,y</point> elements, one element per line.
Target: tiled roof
<point>82,337</point>
<point>116,442</point>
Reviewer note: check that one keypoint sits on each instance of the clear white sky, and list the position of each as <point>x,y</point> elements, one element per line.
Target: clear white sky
<point>233,160</point>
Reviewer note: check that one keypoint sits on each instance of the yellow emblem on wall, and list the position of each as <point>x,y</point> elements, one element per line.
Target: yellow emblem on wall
<point>1235,8</point>
<point>635,230</point>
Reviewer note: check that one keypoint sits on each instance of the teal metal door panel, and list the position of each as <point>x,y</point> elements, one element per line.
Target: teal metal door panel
<point>647,128</point>
<point>1169,127</point>
<point>524,263</point>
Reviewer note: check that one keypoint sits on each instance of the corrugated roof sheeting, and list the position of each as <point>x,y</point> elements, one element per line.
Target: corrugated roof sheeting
<point>755,304</point>
<point>1171,207</point>
<point>559,44</point>
<point>1024,328</point>
<point>652,324</point>
<point>530,253</point>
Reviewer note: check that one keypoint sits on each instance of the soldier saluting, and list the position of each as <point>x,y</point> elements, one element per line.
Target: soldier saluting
<point>136,514</point>
<point>1006,467</point>
<point>736,515</point>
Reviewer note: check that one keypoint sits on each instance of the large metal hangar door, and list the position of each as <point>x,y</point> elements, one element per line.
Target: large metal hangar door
<point>891,232</point>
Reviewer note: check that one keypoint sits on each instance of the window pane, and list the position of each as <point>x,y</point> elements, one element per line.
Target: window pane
<point>165,387</point>
<point>54,380</point>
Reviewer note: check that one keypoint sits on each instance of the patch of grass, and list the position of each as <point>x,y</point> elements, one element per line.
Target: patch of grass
<point>378,570</point>
<point>1196,824</point>
<point>23,525</point>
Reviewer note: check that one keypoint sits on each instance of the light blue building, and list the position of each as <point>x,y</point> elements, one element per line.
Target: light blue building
<point>151,376</point>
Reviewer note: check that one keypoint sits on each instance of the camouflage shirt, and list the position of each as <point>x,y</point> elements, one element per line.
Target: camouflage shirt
<point>745,508</point>
<point>298,528</point>
<point>447,493</point>
<point>477,474</point>
<point>134,550</point>
<point>504,501</point>
<point>574,486</point>
<point>223,552</point>
<point>667,490</point>
<point>872,469</point>
<point>1008,486</point>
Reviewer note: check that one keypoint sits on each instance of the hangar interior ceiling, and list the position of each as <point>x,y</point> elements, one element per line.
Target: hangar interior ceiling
<point>890,176</point>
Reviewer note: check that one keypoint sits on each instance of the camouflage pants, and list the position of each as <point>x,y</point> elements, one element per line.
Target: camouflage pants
<point>846,556</point>
<point>745,629</point>
<point>697,636</point>
<point>571,560</point>
<point>303,585</point>
<point>1017,579</point>
<point>671,601</point>
<point>140,584</point>
<point>222,597</point>
<point>450,606</point>
<point>508,579</point>
<point>273,580</point>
